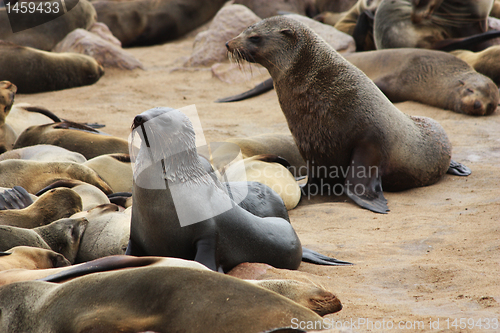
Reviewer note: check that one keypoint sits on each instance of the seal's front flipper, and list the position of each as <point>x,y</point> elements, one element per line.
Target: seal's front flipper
<point>317,258</point>
<point>205,253</point>
<point>363,183</point>
<point>134,250</point>
<point>458,169</point>
<point>15,198</point>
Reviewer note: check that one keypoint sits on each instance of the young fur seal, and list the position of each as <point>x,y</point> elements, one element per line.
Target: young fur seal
<point>354,137</point>
<point>180,211</point>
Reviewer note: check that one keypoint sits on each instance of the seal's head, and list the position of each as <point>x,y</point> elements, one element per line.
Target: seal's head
<point>275,43</point>
<point>423,9</point>
<point>167,137</point>
<point>477,97</point>
<point>7,93</point>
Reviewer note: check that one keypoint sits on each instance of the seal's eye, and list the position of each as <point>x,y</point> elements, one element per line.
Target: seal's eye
<point>255,39</point>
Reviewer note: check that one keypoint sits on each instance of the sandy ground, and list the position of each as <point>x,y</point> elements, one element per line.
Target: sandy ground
<point>435,256</point>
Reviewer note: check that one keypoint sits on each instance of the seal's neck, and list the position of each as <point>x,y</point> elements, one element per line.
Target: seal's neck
<point>185,167</point>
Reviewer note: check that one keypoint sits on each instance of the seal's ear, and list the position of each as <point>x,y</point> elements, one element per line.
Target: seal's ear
<point>289,33</point>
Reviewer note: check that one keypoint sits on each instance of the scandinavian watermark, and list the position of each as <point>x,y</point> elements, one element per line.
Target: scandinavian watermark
<point>367,324</point>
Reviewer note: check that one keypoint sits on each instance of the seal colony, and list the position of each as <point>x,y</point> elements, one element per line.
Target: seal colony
<point>169,181</point>
<point>340,119</point>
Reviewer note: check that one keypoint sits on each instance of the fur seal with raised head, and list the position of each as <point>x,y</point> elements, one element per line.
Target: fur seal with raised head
<point>62,236</point>
<point>197,220</point>
<point>354,137</point>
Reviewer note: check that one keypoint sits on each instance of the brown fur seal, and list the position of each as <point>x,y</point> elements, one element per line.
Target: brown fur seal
<point>31,258</point>
<point>430,77</point>
<point>73,136</point>
<point>34,175</point>
<point>308,295</point>
<point>62,236</point>
<point>486,62</point>
<point>90,194</point>
<point>495,10</point>
<point>153,299</point>
<point>358,22</point>
<point>49,71</point>
<point>111,263</point>
<point>43,153</point>
<point>7,134</point>
<point>218,233</point>
<point>114,169</point>
<point>447,20</point>
<point>51,206</point>
<point>36,30</point>
<point>106,234</point>
<point>281,144</point>
<point>149,22</point>
<point>268,170</point>
<point>353,136</point>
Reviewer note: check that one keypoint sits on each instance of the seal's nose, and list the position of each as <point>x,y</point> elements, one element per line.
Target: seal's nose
<point>227,45</point>
<point>138,121</point>
<point>477,105</point>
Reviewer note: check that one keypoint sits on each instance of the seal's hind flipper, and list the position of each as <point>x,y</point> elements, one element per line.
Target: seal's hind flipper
<point>363,183</point>
<point>458,169</point>
<point>15,198</point>
<point>4,253</point>
<point>319,259</point>
<point>256,91</point>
